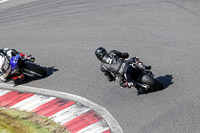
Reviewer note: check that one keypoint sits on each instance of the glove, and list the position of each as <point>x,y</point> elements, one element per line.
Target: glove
<point>3,79</point>
<point>131,84</point>
<point>122,82</point>
<point>30,58</point>
<point>21,77</point>
<point>125,84</point>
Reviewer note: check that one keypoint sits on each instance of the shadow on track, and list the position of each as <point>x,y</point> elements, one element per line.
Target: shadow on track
<point>165,80</point>
<point>27,79</point>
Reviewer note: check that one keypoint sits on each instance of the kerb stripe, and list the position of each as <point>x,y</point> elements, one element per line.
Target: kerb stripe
<point>108,131</point>
<point>82,121</point>
<point>98,127</point>
<point>13,97</point>
<point>3,92</point>
<point>32,102</point>
<point>76,117</point>
<point>69,113</point>
<point>53,107</point>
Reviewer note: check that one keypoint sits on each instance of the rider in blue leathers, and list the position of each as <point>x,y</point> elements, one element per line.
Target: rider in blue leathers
<point>5,67</point>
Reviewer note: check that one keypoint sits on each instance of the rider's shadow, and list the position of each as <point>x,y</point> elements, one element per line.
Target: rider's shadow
<point>27,79</point>
<point>165,80</point>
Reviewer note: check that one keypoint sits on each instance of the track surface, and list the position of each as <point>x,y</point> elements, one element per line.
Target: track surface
<point>163,33</point>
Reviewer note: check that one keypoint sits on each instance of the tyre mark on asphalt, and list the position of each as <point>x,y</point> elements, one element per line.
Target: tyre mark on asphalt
<point>194,13</point>
<point>45,9</point>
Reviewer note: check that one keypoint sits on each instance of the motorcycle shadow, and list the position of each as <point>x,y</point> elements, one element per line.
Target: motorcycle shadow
<point>165,80</point>
<point>27,79</point>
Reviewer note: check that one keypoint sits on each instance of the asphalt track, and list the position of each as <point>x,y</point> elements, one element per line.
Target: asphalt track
<point>163,33</point>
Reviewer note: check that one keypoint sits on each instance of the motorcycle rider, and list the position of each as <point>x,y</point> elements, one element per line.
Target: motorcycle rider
<point>115,64</point>
<point>5,68</point>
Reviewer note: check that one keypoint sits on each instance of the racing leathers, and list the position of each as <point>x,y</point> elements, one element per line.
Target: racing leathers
<point>5,56</point>
<point>115,64</point>
<point>5,67</point>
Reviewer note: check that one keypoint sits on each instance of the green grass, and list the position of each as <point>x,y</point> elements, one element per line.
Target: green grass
<point>13,121</point>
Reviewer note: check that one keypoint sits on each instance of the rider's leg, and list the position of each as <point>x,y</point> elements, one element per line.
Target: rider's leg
<point>130,74</point>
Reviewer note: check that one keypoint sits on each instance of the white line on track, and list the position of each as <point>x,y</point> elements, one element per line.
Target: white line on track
<point>1,1</point>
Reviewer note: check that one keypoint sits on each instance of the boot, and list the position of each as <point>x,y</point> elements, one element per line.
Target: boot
<point>21,77</point>
<point>147,67</point>
<point>141,90</point>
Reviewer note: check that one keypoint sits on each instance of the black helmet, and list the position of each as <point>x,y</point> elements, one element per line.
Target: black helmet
<point>100,52</point>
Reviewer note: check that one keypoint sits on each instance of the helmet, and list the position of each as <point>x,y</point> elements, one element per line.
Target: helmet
<point>100,52</point>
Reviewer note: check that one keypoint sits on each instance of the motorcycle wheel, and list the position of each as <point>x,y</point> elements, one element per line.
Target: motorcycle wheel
<point>34,69</point>
<point>150,81</point>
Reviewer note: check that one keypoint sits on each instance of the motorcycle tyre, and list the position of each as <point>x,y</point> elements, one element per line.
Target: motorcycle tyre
<point>34,68</point>
<point>150,81</point>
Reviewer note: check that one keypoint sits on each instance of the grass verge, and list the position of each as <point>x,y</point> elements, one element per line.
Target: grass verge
<point>14,121</point>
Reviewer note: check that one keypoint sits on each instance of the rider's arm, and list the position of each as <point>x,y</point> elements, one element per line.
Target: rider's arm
<point>4,76</point>
<point>13,52</point>
<point>9,52</point>
<point>120,54</point>
<point>108,74</point>
<point>1,50</point>
<point>122,82</point>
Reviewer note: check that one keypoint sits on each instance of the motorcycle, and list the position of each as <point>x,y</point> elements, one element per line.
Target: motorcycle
<point>26,66</point>
<point>145,80</point>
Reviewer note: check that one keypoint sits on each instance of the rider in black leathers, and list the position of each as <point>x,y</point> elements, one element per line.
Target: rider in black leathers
<point>116,65</point>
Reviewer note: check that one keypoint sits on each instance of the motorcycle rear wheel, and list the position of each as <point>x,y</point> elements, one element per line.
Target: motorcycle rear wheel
<point>34,69</point>
<point>150,81</point>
